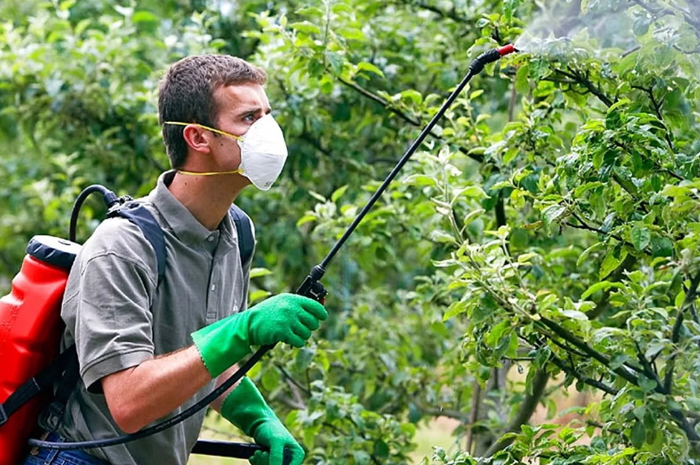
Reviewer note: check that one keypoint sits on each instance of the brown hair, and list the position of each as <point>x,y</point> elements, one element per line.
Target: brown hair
<point>186,94</point>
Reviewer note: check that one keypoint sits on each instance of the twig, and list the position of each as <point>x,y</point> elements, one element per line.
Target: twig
<point>442,412</point>
<point>657,110</point>
<point>586,226</point>
<point>584,379</point>
<point>689,300</point>
<point>584,81</point>
<point>291,379</point>
<point>440,12</point>
<point>387,105</point>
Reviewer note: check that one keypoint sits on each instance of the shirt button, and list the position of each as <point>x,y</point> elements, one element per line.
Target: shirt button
<point>210,238</point>
<point>213,287</point>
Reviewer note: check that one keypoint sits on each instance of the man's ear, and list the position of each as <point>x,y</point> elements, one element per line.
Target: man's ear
<point>197,138</point>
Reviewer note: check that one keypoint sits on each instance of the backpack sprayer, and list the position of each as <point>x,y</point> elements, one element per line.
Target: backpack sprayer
<point>311,287</point>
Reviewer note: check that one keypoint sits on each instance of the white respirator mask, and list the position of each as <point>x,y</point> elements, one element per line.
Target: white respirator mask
<point>263,152</point>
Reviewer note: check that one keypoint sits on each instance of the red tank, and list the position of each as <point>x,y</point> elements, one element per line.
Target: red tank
<point>30,332</point>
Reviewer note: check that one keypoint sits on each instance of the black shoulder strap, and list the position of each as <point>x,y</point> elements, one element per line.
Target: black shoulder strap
<point>141,217</point>
<point>36,384</point>
<point>246,241</point>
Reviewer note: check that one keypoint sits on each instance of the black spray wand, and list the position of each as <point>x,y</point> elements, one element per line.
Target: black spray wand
<point>311,287</point>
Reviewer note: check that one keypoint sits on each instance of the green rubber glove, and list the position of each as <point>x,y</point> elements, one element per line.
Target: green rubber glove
<point>260,458</point>
<point>285,318</point>
<point>247,410</point>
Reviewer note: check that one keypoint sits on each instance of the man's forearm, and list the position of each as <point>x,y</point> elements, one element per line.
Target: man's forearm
<point>140,395</point>
<point>216,405</point>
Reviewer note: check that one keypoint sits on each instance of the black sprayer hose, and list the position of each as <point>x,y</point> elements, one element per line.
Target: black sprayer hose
<point>316,274</point>
<point>108,196</point>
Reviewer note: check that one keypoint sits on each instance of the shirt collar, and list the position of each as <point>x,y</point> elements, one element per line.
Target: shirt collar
<point>185,226</point>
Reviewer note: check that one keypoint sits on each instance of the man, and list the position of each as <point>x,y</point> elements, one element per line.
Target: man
<point>147,349</point>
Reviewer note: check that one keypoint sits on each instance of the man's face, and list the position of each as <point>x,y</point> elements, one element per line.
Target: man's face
<point>239,107</point>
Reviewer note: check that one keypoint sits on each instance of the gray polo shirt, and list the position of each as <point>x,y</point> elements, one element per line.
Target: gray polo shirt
<point>118,316</point>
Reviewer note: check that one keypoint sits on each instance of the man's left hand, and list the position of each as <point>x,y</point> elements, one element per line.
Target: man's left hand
<point>273,435</point>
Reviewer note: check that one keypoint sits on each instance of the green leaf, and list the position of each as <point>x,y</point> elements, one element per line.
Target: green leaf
<point>67,5</point>
<point>522,82</point>
<point>680,298</point>
<point>414,95</point>
<point>420,180</point>
<point>473,192</point>
<point>441,237</point>
<point>661,247</point>
<point>583,188</point>
<point>365,66</point>
<point>575,315</point>
<point>318,196</point>
<point>381,449</point>
<point>638,435</point>
<point>271,378</point>
<point>497,332</point>
<point>361,457</point>
<point>455,309</point>
<point>306,219</point>
<point>646,384</point>
<point>601,286</point>
<point>471,216</point>
<point>338,193</point>
<point>654,348</point>
<point>641,25</point>
<point>553,213</point>
<point>611,262</point>
<point>587,252</point>
<point>310,11</point>
<point>620,103</point>
<point>259,294</point>
<point>259,272</point>
<point>144,17</point>
<point>641,237</point>
<point>305,27</point>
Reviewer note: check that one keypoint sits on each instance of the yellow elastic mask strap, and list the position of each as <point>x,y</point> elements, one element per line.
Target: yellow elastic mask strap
<point>208,173</point>
<point>218,131</point>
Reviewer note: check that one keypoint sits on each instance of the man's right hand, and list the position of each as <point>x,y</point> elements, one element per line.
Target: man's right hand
<point>288,318</point>
<point>285,318</point>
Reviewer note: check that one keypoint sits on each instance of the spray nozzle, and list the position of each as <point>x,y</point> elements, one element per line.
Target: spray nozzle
<point>507,50</point>
<point>490,56</point>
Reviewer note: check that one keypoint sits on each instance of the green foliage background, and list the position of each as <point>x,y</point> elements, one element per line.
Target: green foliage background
<point>548,227</point>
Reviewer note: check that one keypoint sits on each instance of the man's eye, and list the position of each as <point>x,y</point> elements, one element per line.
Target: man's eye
<point>249,117</point>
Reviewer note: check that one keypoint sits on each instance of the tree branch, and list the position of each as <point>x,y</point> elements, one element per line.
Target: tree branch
<point>473,415</point>
<point>588,350</point>
<point>527,408</point>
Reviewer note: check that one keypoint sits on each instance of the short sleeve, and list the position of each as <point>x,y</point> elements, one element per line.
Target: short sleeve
<point>109,313</point>
<point>246,270</point>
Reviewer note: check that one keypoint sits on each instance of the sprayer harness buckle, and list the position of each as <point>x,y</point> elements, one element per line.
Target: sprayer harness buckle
<point>121,201</point>
<point>3,415</point>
